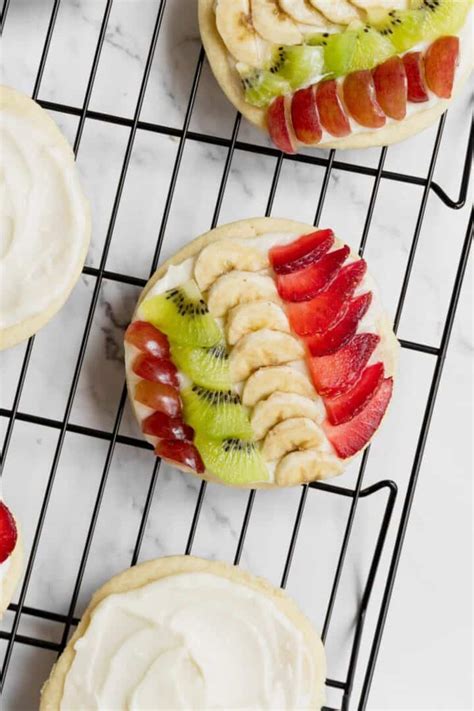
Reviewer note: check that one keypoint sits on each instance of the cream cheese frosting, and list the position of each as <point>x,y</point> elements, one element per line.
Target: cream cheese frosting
<point>189,641</point>
<point>44,219</point>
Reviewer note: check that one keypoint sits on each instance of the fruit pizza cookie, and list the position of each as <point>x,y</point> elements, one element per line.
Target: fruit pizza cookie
<point>187,633</point>
<point>338,73</point>
<point>11,557</point>
<point>44,216</point>
<point>260,355</point>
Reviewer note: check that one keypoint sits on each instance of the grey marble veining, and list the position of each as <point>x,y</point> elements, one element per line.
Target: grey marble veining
<point>425,656</point>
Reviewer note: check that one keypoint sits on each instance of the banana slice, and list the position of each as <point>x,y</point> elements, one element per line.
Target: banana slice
<point>291,435</point>
<point>261,348</point>
<point>299,467</point>
<point>282,406</point>
<point>273,24</point>
<point>340,12</point>
<point>386,4</point>
<point>225,255</point>
<point>246,318</point>
<point>281,378</point>
<point>234,24</point>
<point>237,288</point>
<point>302,11</point>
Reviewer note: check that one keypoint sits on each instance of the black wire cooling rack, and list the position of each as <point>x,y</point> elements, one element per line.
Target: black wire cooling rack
<point>388,488</point>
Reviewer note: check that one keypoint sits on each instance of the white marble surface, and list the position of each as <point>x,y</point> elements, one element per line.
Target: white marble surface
<point>425,655</point>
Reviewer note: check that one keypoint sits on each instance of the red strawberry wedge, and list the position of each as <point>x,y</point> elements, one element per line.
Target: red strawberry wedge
<point>305,250</point>
<point>350,437</point>
<point>335,374</point>
<point>328,307</point>
<point>344,407</point>
<point>321,344</point>
<point>8,533</point>
<point>306,283</point>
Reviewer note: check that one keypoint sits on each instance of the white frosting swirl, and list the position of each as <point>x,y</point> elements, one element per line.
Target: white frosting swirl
<point>44,220</point>
<point>189,641</point>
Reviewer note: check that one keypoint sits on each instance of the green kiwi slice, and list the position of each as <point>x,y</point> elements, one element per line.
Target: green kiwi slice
<point>218,413</point>
<point>354,49</point>
<point>208,367</point>
<point>182,314</point>
<point>234,460</point>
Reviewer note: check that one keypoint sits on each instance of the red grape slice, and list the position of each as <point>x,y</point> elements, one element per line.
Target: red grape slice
<point>158,370</point>
<point>148,339</point>
<point>159,397</point>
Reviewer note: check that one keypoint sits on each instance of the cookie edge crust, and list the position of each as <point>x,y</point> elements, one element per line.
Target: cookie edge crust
<point>248,229</point>
<point>13,574</point>
<point>229,82</point>
<point>153,570</point>
<point>13,335</point>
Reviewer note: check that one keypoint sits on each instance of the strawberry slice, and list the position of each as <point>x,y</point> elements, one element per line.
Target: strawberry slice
<point>344,407</point>
<point>148,339</point>
<point>321,344</point>
<point>303,251</point>
<point>352,436</point>
<point>8,533</point>
<point>335,374</point>
<point>328,307</point>
<point>182,453</point>
<point>306,283</point>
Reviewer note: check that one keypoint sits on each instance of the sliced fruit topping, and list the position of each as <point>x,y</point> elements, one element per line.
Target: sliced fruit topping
<point>415,71</point>
<point>247,318</point>
<point>232,460</point>
<point>305,117</point>
<point>442,17</point>
<point>222,256</point>
<point>441,59</point>
<point>340,12</point>
<point>163,398</point>
<point>281,406</point>
<point>165,427</point>
<point>361,100</point>
<point>332,114</point>
<point>335,374</point>
<point>306,283</point>
<point>8,533</point>
<point>330,341</point>
<point>183,453</point>
<point>355,50</point>
<point>291,435</point>
<point>148,339</point>
<point>302,11</point>
<point>183,315</point>
<point>344,407</point>
<point>322,312</point>
<point>234,24</point>
<point>277,378</point>
<point>404,28</point>
<point>308,465</point>
<point>260,349</point>
<point>158,370</point>
<point>391,87</point>
<point>218,413</point>
<point>238,287</point>
<point>272,24</point>
<point>352,436</point>
<point>260,86</point>
<point>279,124</point>
<point>303,251</point>
<point>208,367</point>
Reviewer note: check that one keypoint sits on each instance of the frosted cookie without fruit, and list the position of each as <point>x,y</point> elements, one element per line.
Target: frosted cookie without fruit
<point>338,73</point>
<point>45,218</point>
<point>260,340</point>
<point>183,632</point>
<point>11,557</point>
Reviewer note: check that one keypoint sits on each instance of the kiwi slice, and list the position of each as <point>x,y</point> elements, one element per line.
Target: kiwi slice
<point>290,68</point>
<point>427,19</point>
<point>354,49</point>
<point>234,460</point>
<point>208,367</point>
<point>218,413</point>
<point>182,314</point>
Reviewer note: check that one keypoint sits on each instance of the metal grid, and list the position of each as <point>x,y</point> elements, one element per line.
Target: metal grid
<point>113,437</point>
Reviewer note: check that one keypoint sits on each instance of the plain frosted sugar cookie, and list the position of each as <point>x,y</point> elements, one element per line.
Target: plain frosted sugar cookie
<point>260,355</point>
<point>11,556</point>
<point>338,73</point>
<point>45,218</point>
<point>187,633</point>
